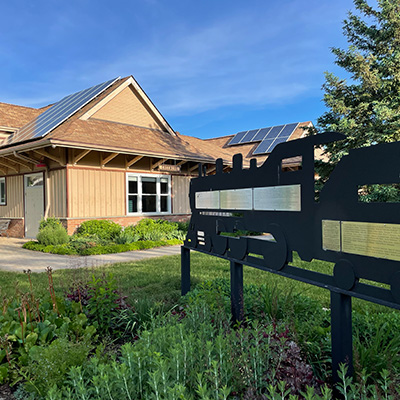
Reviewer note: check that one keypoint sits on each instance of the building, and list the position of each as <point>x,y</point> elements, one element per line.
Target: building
<point>103,153</point>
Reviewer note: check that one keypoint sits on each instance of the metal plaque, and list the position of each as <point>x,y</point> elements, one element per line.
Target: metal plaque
<point>371,239</point>
<point>278,198</point>
<point>331,235</point>
<point>169,167</point>
<point>236,199</point>
<point>207,199</point>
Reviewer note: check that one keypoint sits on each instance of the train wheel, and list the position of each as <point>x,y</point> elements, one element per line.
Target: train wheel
<point>191,239</point>
<point>395,286</point>
<point>219,244</point>
<point>344,274</point>
<point>275,253</point>
<point>237,248</point>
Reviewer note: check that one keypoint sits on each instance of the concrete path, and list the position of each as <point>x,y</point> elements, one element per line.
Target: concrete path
<point>14,258</point>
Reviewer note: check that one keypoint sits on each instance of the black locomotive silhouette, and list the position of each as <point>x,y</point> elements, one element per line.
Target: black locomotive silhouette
<point>298,224</point>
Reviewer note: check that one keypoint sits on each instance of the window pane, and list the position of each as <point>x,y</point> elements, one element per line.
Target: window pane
<point>149,204</point>
<point>2,191</point>
<point>132,186</point>
<point>132,204</point>
<point>35,180</point>
<point>164,203</point>
<point>164,185</point>
<point>149,185</point>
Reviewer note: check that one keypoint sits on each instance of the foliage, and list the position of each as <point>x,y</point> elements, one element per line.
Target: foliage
<point>87,247</point>
<point>52,235</point>
<point>367,107</point>
<point>50,221</point>
<point>104,303</point>
<point>48,365</point>
<point>107,230</point>
<point>156,229</point>
<point>27,323</point>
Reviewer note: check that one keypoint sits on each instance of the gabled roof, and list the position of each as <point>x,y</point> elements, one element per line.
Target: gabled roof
<point>28,125</point>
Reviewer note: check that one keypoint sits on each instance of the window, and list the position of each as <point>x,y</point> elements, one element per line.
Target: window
<point>148,194</point>
<point>2,191</point>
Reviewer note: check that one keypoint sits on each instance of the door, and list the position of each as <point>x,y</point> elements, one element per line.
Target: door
<point>34,203</point>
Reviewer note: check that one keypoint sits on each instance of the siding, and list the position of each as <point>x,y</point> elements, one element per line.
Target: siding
<point>96,193</point>
<point>128,108</point>
<point>14,198</point>
<point>57,192</point>
<point>180,194</point>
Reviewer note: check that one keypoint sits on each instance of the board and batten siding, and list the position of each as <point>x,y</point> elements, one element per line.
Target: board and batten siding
<point>180,194</point>
<point>96,193</point>
<point>57,192</point>
<point>14,198</point>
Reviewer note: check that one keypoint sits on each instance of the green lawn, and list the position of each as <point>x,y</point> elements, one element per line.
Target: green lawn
<point>159,279</point>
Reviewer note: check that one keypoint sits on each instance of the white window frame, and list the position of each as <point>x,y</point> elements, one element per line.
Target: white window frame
<point>140,194</point>
<point>3,203</point>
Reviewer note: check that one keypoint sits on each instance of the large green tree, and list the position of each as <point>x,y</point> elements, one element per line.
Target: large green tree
<point>366,106</point>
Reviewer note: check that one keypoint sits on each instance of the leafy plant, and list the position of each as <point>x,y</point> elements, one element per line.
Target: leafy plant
<point>103,229</point>
<point>155,229</point>
<point>52,234</point>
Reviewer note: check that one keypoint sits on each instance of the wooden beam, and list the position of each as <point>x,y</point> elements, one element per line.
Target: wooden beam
<point>193,168</point>
<point>181,163</point>
<point>133,161</point>
<point>79,156</point>
<point>108,159</point>
<point>26,165</point>
<point>3,171</point>
<point>211,169</point>
<point>162,161</point>
<point>44,153</point>
<point>8,165</point>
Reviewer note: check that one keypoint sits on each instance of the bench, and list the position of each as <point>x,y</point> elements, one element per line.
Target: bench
<point>4,223</point>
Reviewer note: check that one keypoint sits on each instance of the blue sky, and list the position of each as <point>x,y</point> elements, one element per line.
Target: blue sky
<point>212,68</point>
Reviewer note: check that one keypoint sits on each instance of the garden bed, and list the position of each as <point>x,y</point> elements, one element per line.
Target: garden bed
<point>67,249</point>
<point>106,237</point>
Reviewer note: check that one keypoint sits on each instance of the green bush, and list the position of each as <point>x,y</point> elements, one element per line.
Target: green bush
<point>103,229</point>
<point>52,235</point>
<point>126,237</point>
<point>155,229</point>
<point>51,221</point>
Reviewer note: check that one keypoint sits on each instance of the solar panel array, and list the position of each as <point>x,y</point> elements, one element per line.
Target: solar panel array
<point>58,113</point>
<point>269,137</point>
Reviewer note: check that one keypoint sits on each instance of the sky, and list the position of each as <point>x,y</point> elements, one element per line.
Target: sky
<point>212,67</point>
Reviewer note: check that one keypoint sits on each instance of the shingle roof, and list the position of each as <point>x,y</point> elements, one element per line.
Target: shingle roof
<point>13,116</point>
<point>247,149</point>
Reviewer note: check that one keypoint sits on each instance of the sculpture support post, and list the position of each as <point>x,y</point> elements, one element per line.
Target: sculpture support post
<point>185,270</point>
<point>341,331</point>
<point>237,291</point>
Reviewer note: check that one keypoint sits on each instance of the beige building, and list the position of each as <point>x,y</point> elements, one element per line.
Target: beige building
<point>103,153</point>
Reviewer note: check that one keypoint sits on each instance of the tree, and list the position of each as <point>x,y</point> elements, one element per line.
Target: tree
<point>366,108</point>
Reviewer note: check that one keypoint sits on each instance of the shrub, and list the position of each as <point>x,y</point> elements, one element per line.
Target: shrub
<point>103,229</point>
<point>51,221</point>
<point>126,237</point>
<point>52,234</point>
<point>159,229</point>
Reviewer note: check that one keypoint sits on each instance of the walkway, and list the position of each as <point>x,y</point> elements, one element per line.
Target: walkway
<point>14,258</point>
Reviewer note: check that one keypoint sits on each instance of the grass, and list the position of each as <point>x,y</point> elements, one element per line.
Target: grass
<point>158,279</point>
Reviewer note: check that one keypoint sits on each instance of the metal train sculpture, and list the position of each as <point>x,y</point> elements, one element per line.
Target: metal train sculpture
<point>361,239</point>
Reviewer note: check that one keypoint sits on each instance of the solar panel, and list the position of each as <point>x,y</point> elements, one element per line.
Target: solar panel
<point>58,113</point>
<point>248,137</point>
<point>278,134</point>
<point>237,138</point>
<point>263,146</point>
<point>261,134</point>
<point>288,130</point>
